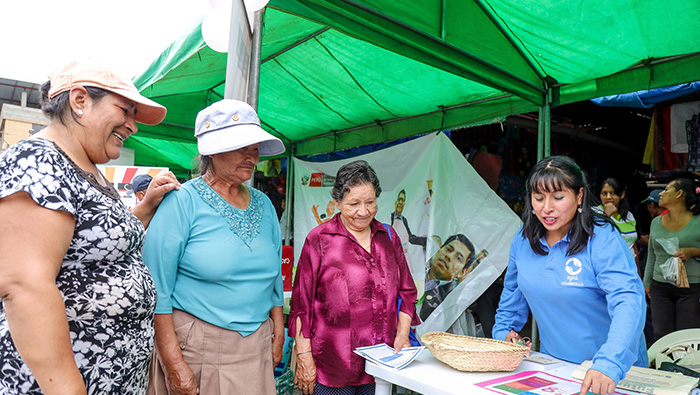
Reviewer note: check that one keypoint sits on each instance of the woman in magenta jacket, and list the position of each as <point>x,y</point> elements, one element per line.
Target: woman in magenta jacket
<point>349,276</point>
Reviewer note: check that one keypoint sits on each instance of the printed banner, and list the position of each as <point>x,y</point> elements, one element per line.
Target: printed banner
<point>121,177</point>
<point>455,230</point>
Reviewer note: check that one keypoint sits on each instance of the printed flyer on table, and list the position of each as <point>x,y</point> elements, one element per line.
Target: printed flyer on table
<point>530,383</point>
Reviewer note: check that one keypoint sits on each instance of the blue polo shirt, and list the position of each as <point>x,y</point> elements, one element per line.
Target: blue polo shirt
<point>588,306</point>
<point>213,260</point>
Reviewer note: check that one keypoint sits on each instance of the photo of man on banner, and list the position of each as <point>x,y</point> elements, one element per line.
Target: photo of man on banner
<point>446,216</point>
<point>400,224</point>
<point>445,270</point>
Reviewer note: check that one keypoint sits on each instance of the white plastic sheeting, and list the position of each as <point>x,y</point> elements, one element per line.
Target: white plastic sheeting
<point>444,196</point>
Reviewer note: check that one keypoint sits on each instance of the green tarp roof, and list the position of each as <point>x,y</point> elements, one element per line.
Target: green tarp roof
<point>339,73</point>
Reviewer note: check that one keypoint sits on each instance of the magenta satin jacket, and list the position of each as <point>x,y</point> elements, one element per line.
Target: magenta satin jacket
<point>346,297</point>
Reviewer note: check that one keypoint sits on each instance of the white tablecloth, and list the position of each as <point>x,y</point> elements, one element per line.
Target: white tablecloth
<point>427,375</point>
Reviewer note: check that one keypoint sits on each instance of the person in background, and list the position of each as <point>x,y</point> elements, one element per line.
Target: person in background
<point>215,252</point>
<point>286,231</point>
<point>674,308</point>
<point>613,196</point>
<point>140,185</point>
<point>652,202</point>
<point>487,305</point>
<point>350,273</point>
<point>571,267</point>
<point>652,205</point>
<point>76,300</point>
<point>446,269</point>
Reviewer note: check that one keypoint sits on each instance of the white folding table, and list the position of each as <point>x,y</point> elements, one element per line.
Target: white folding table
<point>427,375</point>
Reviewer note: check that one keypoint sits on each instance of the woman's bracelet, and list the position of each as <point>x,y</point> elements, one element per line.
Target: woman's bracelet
<point>303,352</point>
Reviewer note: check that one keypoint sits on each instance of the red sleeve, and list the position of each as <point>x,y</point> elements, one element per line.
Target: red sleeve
<point>407,288</point>
<point>303,291</point>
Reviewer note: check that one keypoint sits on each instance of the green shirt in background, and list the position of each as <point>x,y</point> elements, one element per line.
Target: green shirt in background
<point>689,236</point>
<point>627,227</point>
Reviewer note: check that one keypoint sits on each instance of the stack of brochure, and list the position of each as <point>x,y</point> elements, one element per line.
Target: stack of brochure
<point>542,362</point>
<point>382,354</point>
<point>648,381</point>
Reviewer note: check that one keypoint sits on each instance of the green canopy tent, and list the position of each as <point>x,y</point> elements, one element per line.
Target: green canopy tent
<point>337,74</point>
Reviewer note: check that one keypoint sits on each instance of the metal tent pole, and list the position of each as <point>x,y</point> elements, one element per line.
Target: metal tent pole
<point>540,134</point>
<point>289,192</point>
<point>255,51</point>
<point>239,49</point>
<point>547,124</point>
<point>253,94</point>
<point>544,144</point>
<point>544,127</point>
<point>540,155</point>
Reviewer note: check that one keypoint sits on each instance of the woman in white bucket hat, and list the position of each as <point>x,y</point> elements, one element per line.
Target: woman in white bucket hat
<point>214,250</point>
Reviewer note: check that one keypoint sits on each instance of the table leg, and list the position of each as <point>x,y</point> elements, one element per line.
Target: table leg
<point>382,387</point>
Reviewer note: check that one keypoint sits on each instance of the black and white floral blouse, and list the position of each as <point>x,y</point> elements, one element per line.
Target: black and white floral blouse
<point>108,291</point>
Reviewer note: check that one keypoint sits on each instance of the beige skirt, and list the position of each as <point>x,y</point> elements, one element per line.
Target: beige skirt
<point>223,361</point>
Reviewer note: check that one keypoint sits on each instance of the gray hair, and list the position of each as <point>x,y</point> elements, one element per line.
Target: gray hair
<point>204,164</point>
<point>354,174</point>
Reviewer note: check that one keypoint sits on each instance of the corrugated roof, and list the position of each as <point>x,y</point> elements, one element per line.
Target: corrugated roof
<point>11,92</point>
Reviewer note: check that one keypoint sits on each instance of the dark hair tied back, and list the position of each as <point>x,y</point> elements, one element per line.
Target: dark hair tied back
<point>59,107</point>
<point>690,194</point>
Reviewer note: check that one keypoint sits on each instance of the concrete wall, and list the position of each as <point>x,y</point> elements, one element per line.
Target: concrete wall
<point>16,122</point>
<point>15,131</point>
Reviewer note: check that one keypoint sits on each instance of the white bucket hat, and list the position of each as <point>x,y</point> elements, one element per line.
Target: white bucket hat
<point>228,125</point>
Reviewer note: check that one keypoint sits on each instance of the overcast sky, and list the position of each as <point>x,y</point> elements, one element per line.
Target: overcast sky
<point>39,35</point>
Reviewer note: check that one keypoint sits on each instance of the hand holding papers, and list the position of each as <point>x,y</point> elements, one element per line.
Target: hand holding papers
<point>382,354</point>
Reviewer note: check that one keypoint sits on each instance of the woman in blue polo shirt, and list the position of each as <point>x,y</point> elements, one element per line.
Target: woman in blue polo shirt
<point>572,269</point>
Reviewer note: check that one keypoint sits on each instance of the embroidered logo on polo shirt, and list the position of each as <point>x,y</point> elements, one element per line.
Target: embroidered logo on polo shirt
<point>573,267</point>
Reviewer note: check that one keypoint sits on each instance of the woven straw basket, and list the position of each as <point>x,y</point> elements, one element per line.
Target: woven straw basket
<point>474,354</point>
